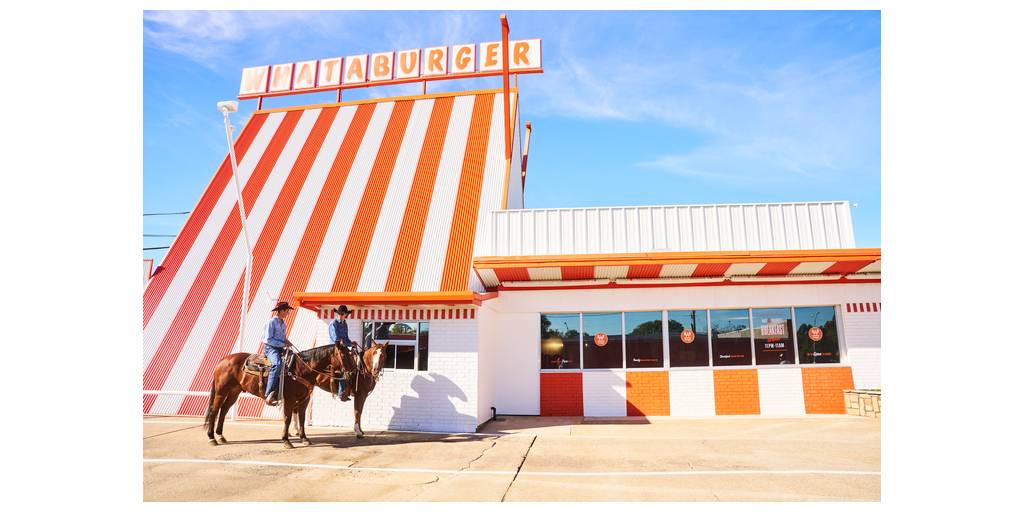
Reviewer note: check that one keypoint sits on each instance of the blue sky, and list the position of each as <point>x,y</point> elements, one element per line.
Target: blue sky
<point>710,107</point>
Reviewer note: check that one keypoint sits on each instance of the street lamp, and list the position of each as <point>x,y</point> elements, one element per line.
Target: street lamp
<point>226,107</point>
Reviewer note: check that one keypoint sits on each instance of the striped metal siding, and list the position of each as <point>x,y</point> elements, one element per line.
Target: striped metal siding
<point>683,228</point>
<point>322,186</point>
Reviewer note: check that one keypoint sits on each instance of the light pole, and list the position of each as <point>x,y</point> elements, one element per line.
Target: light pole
<point>226,107</point>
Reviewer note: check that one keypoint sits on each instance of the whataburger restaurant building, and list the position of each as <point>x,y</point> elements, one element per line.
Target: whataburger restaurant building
<point>409,210</point>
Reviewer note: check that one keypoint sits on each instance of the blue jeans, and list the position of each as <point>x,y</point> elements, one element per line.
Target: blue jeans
<point>274,355</point>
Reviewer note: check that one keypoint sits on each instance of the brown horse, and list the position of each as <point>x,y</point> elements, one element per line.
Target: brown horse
<point>313,365</point>
<point>361,382</point>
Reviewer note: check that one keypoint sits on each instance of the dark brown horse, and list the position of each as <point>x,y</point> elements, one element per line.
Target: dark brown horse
<point>361,382</point>
<point>308,369</point>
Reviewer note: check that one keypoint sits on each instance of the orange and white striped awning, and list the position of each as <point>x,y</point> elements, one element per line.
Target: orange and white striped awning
<point>375,196</point>
<point>499,272</point>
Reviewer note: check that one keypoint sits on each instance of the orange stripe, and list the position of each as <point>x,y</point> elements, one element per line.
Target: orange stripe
<point>737,392</point>
<point>467,203</point>
<point>410,235</point>
<point>643,271</point>
<point>164,274</point>
<point>352,260</point>
<point>667,258</point>
<point>647,394</point>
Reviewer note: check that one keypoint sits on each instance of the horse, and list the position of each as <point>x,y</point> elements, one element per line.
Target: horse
<point>230,379</point>
<point>361,383</point>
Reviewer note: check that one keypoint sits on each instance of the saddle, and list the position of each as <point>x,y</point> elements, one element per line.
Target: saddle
<point>257,364</point>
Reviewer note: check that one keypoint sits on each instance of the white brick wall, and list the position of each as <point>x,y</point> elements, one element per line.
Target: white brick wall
<point>443,399</point>
<point>604,393</point>
<point>863,335</point>
<point>781,391</point>
<point>692,392</point>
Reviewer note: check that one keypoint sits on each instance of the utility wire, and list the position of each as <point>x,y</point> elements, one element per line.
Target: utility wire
<point>162,236</point>
<point>155,248</point>
<point>167,213</point>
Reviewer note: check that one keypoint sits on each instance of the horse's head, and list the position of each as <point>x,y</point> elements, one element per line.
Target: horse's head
<point>342,359</point>
<point>375,357</point>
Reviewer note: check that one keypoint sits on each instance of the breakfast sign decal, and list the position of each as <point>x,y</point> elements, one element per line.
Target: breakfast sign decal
<point>386,68</point>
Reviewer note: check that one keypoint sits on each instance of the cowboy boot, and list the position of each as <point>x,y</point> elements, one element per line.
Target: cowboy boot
<point>272,398</point>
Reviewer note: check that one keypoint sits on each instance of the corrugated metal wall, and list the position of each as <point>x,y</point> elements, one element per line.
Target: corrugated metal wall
<point>627,229</point>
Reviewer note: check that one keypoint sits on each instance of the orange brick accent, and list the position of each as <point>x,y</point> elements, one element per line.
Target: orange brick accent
<point>823,389</point>
<point>561,394</point>
<point>736,392</point>
<point>647,394</point>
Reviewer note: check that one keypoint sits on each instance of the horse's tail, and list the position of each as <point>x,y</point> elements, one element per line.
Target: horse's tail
<point>209,407</point>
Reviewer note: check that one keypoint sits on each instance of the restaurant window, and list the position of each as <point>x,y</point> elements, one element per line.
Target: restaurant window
<point>730,337</point>
<point>644,347</point>
<point>602,340</point>
<point>560,341</point>
<point>424,343</point>
<point>688,338</point>
<point>773,336</point>
<point>817,335</point>
<point>403,340</point>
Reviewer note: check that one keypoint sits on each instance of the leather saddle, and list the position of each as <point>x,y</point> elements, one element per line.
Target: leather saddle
<point>257,364</point>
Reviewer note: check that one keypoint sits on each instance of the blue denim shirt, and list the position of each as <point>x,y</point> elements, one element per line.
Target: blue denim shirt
<point>339,331</point>
<point>275,332</point>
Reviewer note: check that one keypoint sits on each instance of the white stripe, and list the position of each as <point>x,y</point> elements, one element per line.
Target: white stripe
<point>611,272</point>
<point>677,270</point>
<point>545,273</point>
<point>744,269</point>
<point>199,339</point>
<point>513,472</point>
<point>489,278</point>
<point>811,267</point>
<point>395,203</point>
<point>169,305</point>
<point>434,248</point>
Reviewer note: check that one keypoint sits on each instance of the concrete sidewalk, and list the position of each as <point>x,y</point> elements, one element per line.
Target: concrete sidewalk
<point>525,459</point>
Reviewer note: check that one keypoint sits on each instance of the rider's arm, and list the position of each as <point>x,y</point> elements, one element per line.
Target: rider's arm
<point>333,332</point>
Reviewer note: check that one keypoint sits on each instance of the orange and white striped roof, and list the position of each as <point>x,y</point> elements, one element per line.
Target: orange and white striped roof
<point>374,196</point>
<point>678,268</point>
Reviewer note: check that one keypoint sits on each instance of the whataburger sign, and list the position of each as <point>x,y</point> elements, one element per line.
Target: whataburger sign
<point>436,63</point>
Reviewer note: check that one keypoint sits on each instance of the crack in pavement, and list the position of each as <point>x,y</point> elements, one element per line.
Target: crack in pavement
<point>470,463</point>
<point>526,454</point>
<point>171,432</point>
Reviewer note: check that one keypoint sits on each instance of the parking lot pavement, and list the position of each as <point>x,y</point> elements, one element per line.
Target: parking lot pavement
<point>524,459</point>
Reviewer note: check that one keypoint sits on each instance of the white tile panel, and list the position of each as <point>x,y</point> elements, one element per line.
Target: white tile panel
<point>489,278</point>
<point>672,228</point>
<point>692,393</point>
<point>811,267</point>
<point>394,204</point>
<point>604,393</point>
<point>744,269</point>
<point>615,272</point>
<point>545,274</point>
<point>678,270</point>
<point>873,267</point>
<point>781,391</point>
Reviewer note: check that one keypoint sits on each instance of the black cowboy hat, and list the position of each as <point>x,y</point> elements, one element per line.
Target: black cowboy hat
<point>282,305</point>
<point>342,310</point>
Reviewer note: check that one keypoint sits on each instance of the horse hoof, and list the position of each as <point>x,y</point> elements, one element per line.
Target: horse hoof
<point>221,440</point>
<point>306,442</point>
<point>213,442</point>
<point>288,445</point>
<point>359,436</point>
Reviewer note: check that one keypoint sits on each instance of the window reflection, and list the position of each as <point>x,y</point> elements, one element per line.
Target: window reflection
<point>773,336</point>
<point>602,340</point>
<point>730,337</point>
<point>559,341</point>
<point>688,338</point>
<point>644,347</point>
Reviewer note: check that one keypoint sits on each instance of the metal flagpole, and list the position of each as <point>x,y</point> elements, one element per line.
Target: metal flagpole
<point>225,107</point>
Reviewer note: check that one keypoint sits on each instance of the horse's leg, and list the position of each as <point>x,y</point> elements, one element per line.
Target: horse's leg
<point>215,406</point>
<point>228,402</point>
<point>288,408</point>
<point>358,408</point>
<point>301,413</point>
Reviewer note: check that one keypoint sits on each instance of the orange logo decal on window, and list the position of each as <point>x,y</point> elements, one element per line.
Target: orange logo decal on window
<point>687,336</point>
<point>600,339</point>
<point>815,333</point>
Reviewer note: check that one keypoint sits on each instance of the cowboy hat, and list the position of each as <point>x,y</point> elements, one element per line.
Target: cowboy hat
<point>342,310</point>
<point>282,305</point>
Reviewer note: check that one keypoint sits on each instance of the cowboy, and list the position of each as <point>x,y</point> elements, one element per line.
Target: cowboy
<point>274,348</point>
<point>338,331</point>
